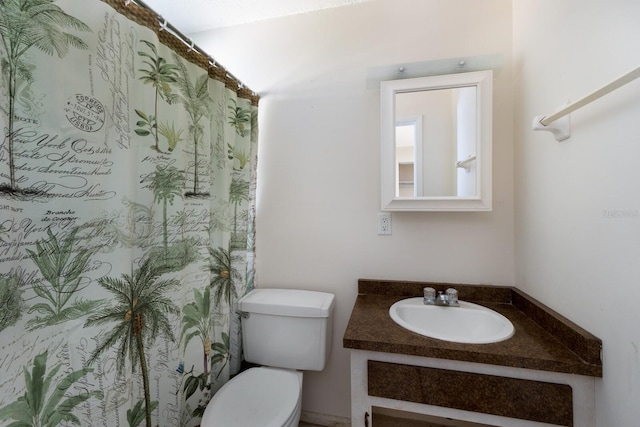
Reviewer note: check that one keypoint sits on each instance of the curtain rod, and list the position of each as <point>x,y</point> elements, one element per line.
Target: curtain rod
<point>559,121</point>
<point>165,25</point>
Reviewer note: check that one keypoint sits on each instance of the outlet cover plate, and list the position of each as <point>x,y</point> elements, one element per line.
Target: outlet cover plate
<point>384,223</point>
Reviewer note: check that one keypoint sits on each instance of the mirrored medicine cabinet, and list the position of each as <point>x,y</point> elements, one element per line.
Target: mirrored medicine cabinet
<point>436,143</point>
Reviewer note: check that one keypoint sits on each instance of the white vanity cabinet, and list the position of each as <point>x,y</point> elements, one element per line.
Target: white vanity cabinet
<point>385,380</point>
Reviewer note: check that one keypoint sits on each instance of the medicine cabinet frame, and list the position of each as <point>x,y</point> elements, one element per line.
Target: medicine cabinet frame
<point>481,200</point>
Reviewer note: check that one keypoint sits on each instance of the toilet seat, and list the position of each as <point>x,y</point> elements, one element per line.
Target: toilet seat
<point>257,397</point>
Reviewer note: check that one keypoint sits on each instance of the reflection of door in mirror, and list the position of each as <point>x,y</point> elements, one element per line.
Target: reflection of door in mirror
<point>448,137</point>
<point>409,157</point>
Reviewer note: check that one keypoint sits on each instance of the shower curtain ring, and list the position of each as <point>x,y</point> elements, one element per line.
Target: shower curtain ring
<point>163,24</point>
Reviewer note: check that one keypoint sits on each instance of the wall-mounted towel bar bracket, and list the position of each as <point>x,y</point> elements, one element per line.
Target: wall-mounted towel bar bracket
<point>559,123</point>
<point>466,163</point>
<point>561,128</point>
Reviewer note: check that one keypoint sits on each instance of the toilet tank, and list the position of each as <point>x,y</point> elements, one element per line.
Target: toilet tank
<point>287,328</point>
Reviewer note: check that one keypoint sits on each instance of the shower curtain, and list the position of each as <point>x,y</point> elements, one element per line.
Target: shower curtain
<point>127,183</point>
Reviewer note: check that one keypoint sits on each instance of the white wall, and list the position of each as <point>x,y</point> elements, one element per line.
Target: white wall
<point>578,201</point>
<point>319,161</point>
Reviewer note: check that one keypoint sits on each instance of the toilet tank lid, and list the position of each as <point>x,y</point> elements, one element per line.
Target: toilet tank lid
<point>287,302</point>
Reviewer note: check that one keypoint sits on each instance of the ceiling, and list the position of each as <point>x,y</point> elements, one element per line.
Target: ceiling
<point>191,16</point>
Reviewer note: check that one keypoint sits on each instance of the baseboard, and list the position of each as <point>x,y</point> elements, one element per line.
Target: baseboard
<point>324,419</point>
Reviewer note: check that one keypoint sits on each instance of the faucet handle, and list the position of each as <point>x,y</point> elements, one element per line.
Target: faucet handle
<point>452,296</point>
<point>429,295</point>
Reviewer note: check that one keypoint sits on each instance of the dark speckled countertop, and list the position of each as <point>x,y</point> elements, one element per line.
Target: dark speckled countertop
<point>543,339</point>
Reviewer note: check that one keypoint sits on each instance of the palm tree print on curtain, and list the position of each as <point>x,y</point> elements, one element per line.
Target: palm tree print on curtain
<point>128,186</point>
<point>61,267</point>
<point>194,96</point>
<point>196,324</point>
<point>159,74</point>
<point>44,403</point>
<point>141,315</point>
<point>27,24</point>
<point>11,302</point>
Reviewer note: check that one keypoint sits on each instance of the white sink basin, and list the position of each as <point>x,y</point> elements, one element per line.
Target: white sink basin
<point>470,323</point>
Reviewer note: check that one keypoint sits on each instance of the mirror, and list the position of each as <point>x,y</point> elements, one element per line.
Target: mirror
<point>436,143</point>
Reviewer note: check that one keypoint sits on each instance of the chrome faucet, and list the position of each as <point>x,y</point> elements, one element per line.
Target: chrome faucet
<point>445,299</point>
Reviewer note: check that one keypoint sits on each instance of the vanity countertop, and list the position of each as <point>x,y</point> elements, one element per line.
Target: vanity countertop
<point>543,340</point>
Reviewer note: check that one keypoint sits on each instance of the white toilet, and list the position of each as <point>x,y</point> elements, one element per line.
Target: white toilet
<point>284,330</point>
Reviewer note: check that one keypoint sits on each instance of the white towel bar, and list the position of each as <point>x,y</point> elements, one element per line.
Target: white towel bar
<point>466,163</point>
<point>561,128</point>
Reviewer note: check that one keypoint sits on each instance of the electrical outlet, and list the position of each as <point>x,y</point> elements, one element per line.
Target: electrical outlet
<point>384,223</point>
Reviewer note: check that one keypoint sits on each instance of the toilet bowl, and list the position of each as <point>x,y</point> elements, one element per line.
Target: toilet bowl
<point>285,331</point>
<point>257,397</point>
